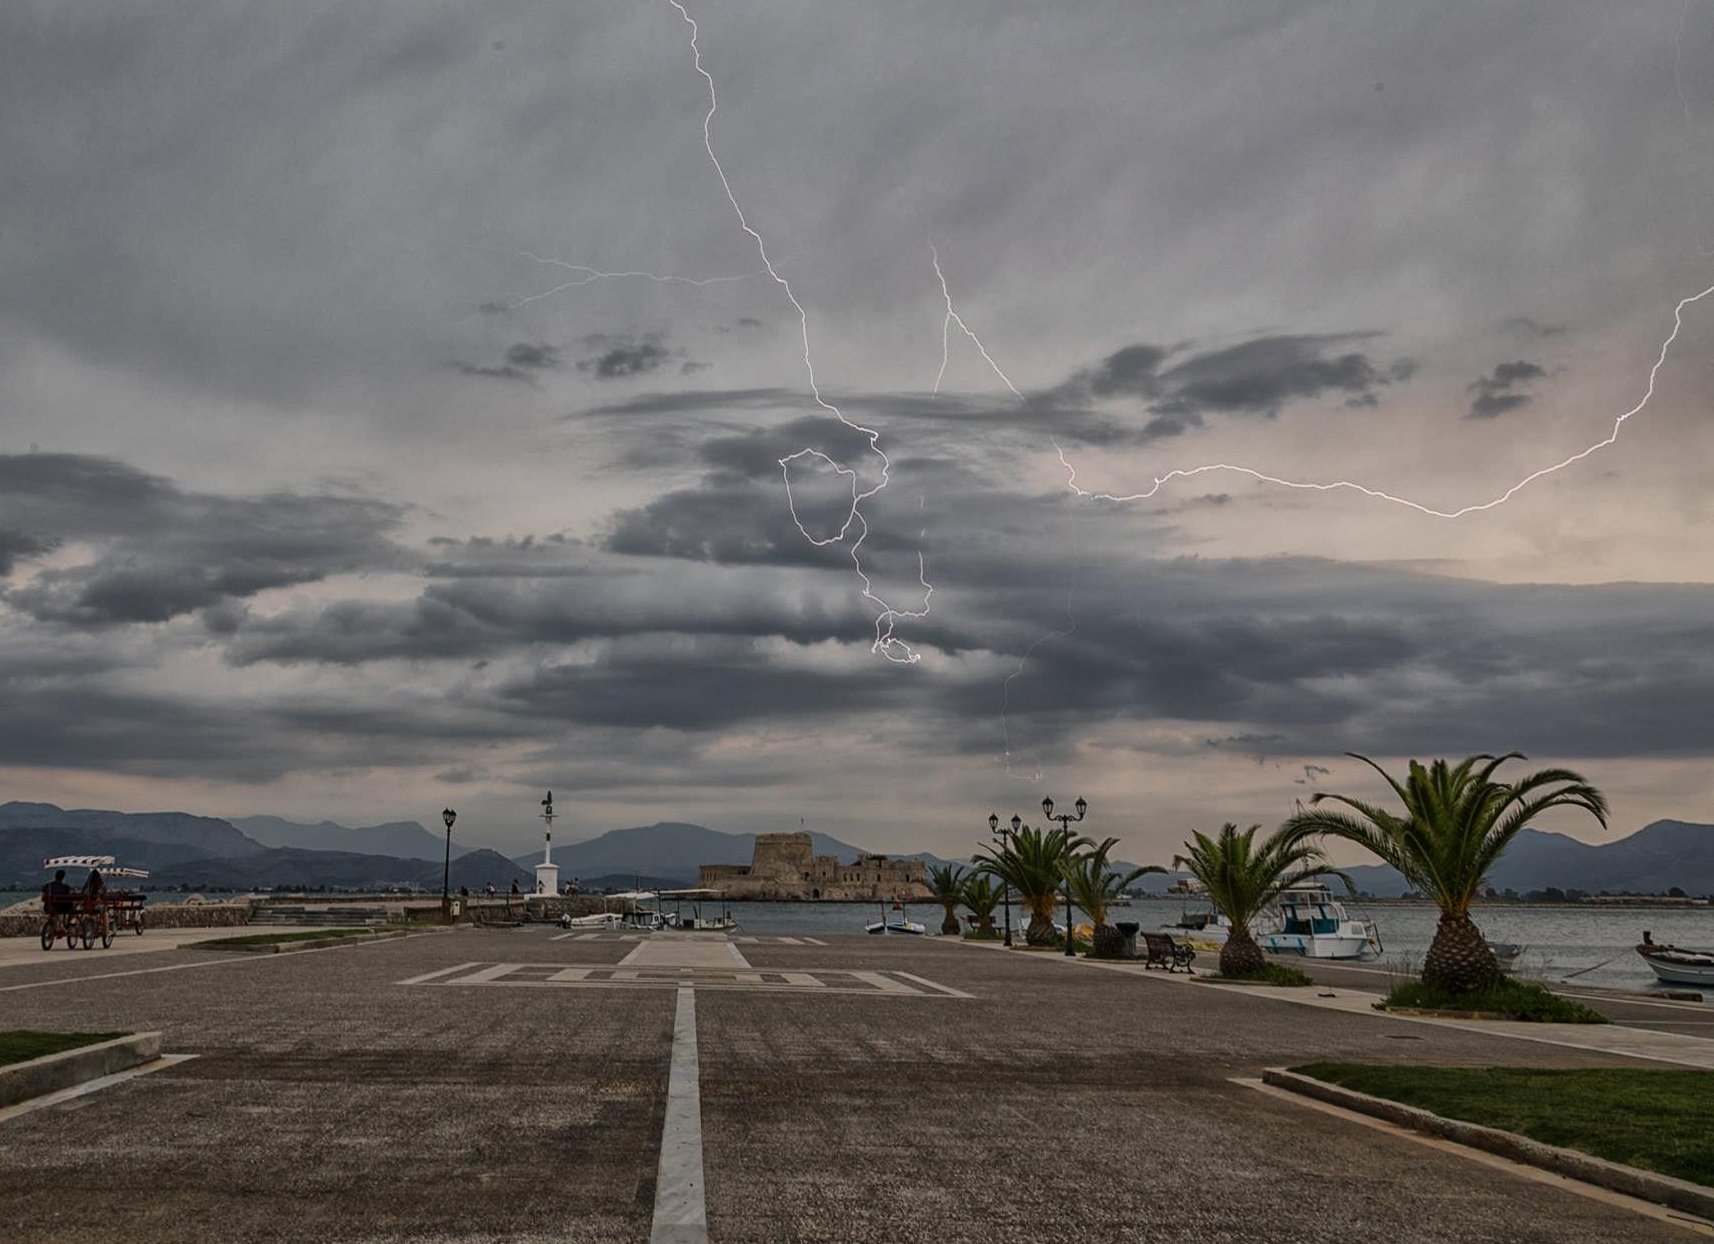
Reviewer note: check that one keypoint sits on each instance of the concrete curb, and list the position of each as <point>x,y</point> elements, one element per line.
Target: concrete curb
<point>313,943</point>
<point>52,1072</point>
<point>1678,1194</point>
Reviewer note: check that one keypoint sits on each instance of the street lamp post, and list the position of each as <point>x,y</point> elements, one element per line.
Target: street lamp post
<point>1065,820</point>
<point>1005,886</point>
<point>449,816</point>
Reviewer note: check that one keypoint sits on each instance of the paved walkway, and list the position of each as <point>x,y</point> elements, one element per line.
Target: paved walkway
<point>365,1094</point>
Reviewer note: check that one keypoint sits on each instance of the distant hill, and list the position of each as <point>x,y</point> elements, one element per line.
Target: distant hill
<point>212,837</point>
<point>669,850</point>
<point>293,868</point>
<point>406,839</point>
<point>23,850</point>
<point>1651,861</point>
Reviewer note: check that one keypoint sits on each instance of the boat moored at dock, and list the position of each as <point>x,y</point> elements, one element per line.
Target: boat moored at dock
<point>1314,924</point>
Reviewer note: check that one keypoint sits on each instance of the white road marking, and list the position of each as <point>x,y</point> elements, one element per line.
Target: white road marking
<point>948,990</point>
<point>92,1086</point>
<point>681,1210</point>
<point>813,942</point>
<point>429,976</point>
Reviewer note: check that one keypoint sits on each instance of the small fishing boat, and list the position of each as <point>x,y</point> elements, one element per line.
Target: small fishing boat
<point>1206,927</point>
<point>1674,966</point>
<point>1508,953</point>
<point>898,924</point>
<point>1314,924</point>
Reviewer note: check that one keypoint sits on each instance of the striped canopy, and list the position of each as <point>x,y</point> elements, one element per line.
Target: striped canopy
<point>78,861</point>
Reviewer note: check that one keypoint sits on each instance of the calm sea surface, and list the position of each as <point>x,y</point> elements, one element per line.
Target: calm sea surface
<point>1591,946</point>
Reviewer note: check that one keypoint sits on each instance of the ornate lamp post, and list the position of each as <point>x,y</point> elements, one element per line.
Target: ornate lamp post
<point>1006,888</point>
<point>1065,820</point>
<point>449,816</point>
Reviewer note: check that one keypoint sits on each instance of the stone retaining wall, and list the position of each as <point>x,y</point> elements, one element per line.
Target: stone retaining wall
<point>165,916</point>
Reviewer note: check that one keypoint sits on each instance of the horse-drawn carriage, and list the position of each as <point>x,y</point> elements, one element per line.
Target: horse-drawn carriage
<point>82,916</point>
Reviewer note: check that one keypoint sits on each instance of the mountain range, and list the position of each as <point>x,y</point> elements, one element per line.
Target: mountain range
<point>406,839</point>
<point>209,853</point>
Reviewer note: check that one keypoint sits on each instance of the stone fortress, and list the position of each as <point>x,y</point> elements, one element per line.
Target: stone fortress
<point>785,867</point>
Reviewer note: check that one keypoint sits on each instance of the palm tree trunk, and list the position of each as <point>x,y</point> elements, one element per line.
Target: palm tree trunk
<point>985,924</point>
<point>1041,931</point>
<point>1109,943</point>
<point>1240,956</point>
<point>949,925</point>
<point>1459,960</point>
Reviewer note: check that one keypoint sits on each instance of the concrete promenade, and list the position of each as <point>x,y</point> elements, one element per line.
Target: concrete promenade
<point>526,1085</point>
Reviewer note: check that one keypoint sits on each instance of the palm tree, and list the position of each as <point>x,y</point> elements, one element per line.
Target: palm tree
<point>1029,862</point>
<point>946,887</point>
<point>1457,822</point>
<point>1094,886</point>
<point>1242,878</point>
<point>981,896</point>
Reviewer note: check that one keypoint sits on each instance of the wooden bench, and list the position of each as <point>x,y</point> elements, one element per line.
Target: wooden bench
<point>1161,951</point>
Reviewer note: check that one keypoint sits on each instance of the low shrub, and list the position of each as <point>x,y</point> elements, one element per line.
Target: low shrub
<point>1519,1000</point>
<point>1273,974</point>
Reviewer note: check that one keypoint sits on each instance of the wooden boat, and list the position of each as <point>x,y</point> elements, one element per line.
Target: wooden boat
<point>1676,966</point>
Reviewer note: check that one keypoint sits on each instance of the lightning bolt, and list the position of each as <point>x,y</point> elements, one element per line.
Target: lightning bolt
<point>886,643</point>
<point>952,317</point>
<point>591,275</point>
<point>1161,481</point>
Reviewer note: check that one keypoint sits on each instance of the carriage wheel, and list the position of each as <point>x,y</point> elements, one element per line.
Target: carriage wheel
<point>70,933</point>
<point>107,935</point>
<point>48,934</point>
<point>138,928</point>
<point>88,931</point>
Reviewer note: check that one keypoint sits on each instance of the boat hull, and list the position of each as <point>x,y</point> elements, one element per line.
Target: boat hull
<point>1681,973</point>
<point>1318,946</point>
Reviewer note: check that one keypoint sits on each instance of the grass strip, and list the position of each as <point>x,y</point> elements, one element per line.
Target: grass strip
<point>19,1045</point>
<point>1661,1121</point>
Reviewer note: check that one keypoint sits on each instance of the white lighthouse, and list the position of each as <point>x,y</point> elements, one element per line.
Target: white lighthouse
<point>547,872</point>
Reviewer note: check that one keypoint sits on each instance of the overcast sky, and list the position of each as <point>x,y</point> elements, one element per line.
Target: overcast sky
<point>336,480</point>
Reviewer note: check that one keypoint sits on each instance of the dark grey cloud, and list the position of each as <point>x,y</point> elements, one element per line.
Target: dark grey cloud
<point>1498,391</point>
<point>158,551</point>
<point>534,356</point>
<point>1254,378</point>
<point>624,360</point>
<point>522,362</point>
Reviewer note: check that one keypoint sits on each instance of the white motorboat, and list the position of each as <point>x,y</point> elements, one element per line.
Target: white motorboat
<point>601,920</point>
<point>1675,966</point>
<point>897,924</point>
<point>1314,924</point>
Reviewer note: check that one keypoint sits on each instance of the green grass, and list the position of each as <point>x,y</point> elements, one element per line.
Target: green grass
<point>268,939</point>
<point>1272,974</point>
<point>1513,999</point>
<point>19,1045</point>
<point>1659,1120</point>
<point>976,935</point>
